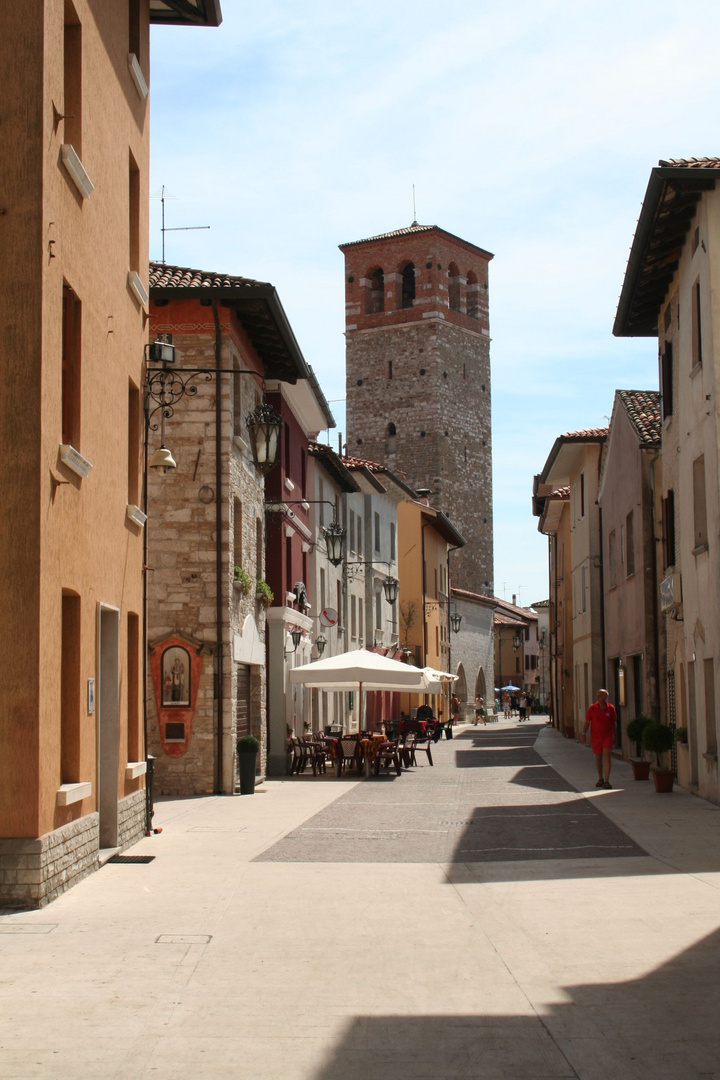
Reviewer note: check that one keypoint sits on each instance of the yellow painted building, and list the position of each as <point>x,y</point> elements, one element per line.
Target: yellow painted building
<point>426,540</point>
<point>73,300</point>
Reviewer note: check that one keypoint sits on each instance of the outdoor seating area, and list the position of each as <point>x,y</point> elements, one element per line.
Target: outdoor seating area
<point>363,753</point>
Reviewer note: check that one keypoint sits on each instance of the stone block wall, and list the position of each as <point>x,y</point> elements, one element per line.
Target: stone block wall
<point>131,819</point>
<point>34,871</point>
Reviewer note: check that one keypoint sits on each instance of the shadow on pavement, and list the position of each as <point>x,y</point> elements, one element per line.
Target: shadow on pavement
<point>663,1024</point>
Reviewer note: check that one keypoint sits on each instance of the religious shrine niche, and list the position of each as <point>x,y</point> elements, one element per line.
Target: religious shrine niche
<point>176,665</point>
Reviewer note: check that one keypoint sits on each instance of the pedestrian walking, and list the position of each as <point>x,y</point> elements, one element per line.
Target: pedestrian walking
<point>523,708</point>
<point>455,709</point>
<point>506,705</point>
<point>602,721</point>
<point>480,710</point>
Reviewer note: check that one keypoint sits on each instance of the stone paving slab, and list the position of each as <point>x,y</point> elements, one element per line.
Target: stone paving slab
<point>213,962</point>
<point>436,814</point>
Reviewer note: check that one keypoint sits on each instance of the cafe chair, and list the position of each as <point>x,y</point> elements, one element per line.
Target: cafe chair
<point>388,754</point>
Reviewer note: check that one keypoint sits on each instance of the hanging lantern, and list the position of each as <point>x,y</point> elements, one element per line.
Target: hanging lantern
<point>335,542</point>
<point>264,426</point>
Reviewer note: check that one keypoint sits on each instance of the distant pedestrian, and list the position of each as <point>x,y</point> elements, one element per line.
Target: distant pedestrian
<point>602,721</point>
<point>506,705</point>
<point>480,710</point>
<point>454,709</point>
<point>523,708</point>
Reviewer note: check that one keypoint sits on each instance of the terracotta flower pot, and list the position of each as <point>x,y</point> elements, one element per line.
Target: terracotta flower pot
<point>640,768</point>
<point>664,779</point>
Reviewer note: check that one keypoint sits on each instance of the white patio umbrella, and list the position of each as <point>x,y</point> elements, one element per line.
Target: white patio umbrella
<point>361,669</point>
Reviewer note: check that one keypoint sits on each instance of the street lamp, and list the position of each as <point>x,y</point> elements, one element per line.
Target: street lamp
<point>320,643</point>
<point>455,620</point>
<point>516,642</point>
<point>390,585</point>
<point>165,386</point>
<point>296,636</point>
<point>335,542</point>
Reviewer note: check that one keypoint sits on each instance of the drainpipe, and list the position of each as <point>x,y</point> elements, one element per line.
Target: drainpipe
<point>220,648</point>
<point>656,708</point>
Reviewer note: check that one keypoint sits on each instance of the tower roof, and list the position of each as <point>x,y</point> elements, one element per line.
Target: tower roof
<point>413,230</point>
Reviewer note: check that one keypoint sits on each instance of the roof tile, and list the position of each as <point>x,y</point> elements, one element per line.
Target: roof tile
<point>183,277</point>
<point>643,409</point>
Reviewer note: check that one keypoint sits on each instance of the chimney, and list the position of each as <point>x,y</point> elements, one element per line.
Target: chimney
<point>514,599</point>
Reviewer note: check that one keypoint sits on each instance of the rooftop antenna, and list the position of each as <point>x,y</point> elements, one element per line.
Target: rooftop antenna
<point>414,220</point>
<point>180,228</point>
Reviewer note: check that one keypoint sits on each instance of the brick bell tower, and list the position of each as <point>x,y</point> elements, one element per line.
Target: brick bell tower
<point>418,376</point>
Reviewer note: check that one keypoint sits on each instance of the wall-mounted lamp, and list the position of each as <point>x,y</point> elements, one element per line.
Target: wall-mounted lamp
<point>335,542</point>
<point>296,636</point>
<point>390,586</point>
<point>516,642</point>
<point>455,620</point>
<point>320,643</point>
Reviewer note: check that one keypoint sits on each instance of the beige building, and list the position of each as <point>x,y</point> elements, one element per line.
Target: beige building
<point>630,506</point>
<point>552,506</point>
<point>73,300</point>
<point>575,462</point>
<point>671,291</point>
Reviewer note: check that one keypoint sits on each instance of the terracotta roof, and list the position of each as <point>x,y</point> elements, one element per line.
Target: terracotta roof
<point>183,277</point>
<point>643,408</point>
<point>586,433</point>
<point>690,163</point>
<point>363,463</point>
<point>412,230</point>
<point>560,493</point>
<point>334,465</point>
<point>466,594</point>
<point>257,306</point>
<point>673,192</point>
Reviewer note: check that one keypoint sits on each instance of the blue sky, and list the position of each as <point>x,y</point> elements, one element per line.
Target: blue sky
<point>529,129</point>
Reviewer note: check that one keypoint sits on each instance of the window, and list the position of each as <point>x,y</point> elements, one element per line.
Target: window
<point>353,618</point>
<point>622,545</point>
<point>699,506</point>
<point>360,619</point>
<point>697,352</point>
<point>237,533</point>
<point>359,538</point>
<point>527,662</point>
<point>70,704</point>
<point>392,540</point>
<point>390,372</point>
<point>583,588</point>
<point>612,560</point>
<point>630,542</point>
<point>378,609</point>
<point>666,381</point>
<point>72,79</point>
<point>71,335</point>
<point>133,493</point>
<point>351,531</point>
<point>338,602</point>
<point>377,531</point>
<point>321,502</point>
<point>322,588</point>
<point>133,215</point>
<point>668,527</point>
<point>582,495</point>
<point>408,285</point>
<point>710,728</point>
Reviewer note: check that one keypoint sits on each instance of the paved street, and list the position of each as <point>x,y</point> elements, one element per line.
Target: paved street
<point>492,917</point>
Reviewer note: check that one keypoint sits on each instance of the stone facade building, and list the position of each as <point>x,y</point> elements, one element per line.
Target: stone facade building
<point>418,376</point>
<point>206,527</point>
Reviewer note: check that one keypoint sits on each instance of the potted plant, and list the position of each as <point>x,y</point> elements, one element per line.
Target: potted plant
<point>658,739</point>
<point>640,765</point>
<point>264,593</point>
<point>247,749</point>
<point>241,580</point>
<point>681,735</point>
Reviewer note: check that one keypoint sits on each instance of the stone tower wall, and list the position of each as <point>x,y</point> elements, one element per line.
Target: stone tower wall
<point>418,381</point>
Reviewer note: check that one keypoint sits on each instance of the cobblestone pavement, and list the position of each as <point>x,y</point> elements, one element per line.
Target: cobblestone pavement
<point>489,797</point>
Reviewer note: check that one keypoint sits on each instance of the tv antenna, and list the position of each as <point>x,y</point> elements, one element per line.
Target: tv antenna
<point>414,220</point>
<point>179,228</point>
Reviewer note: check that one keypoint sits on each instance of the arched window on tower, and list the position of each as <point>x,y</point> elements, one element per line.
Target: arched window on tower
<point>408,285</point>
<point>391,432</point>
<point>454,288</point>
<point>375,292</point>
<point>473,295</point>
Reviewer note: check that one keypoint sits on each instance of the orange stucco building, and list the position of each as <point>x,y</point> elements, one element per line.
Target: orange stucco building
<point>73,309</point>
